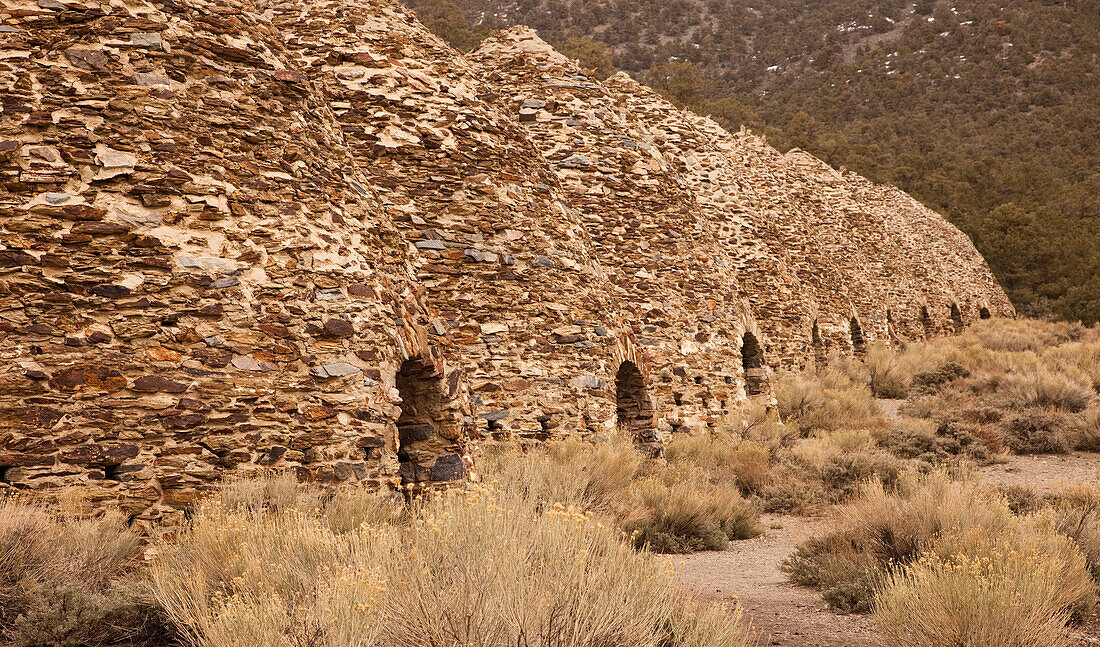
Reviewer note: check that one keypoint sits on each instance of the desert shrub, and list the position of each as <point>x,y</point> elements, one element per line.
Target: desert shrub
<point>1047,389</point>
<point>1089,437</point>
<point>756,423</point>
<point>1023,500</point>
<point>1042,431</point>
<point>886,377</point>
<point>1084,357</point>
<point>1017,590</point>
<point>932,443</point>
<point>341,509</point>
<point>692,503</point>
<point>71,581</point>
<point>830,399</point>
<point>588,475</point>
<point>477,567</point>
<point>1020,335</point>
<point>931,381</point>
<point>1076,514</point>
<point>723,458</point>
<point>882,528</point>
<point>798,396</point>
<point>841,460</point>
<point>681,517</point>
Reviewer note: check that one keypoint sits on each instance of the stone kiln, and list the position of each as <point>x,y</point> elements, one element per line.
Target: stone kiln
<point>238,235</point>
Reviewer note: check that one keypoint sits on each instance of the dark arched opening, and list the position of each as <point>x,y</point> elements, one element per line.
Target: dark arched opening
<point>956,318</point>
<point>633,411</point>
<point>756,370</point>
<point>983,313</point>
<point>859,342</point>
<point>926,322</point>
<point>820,359</point>
<point>427,427</point>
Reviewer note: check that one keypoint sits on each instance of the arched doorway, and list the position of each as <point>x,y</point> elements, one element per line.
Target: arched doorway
<point>634,413</point>
<point>956,318</point>
<point>983,313</point>
<point>859,342</point>
<point>428,428</point>
<point>820,358</point>
<point>926,323</point>
<point>756,370</point>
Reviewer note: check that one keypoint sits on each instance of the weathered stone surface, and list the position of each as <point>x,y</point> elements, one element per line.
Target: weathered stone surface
<point>311,236</point>
<point>185,184</point>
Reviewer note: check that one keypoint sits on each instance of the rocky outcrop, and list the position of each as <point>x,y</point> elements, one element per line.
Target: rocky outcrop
<point>263,234</point>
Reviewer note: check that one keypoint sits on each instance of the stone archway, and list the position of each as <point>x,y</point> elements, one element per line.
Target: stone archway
<point>983,313</point>
<point>634,412</point>
<point>821,360</point>
<point>756,369</point>
<point>956,318</point>
<point>926,323</point>
<point>859,342</point>
<point>428,428</point>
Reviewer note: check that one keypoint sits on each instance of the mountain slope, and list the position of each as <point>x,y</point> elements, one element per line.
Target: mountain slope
<point>989,113</point>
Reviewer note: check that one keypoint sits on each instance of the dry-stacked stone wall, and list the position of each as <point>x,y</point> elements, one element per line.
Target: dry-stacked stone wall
<point>194,279</point>
<point>752,242</point>
<point>502,257</point>
<point>240,235</point>
<point>675,285</point>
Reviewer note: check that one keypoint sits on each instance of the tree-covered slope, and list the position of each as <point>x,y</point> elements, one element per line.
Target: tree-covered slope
<point>986,111</point>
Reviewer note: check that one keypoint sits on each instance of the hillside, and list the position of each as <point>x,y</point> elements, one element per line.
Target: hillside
<point>988,113</point>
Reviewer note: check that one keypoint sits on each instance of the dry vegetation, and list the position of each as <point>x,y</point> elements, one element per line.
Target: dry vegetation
<point>273,563</point>
<point>552,545</point>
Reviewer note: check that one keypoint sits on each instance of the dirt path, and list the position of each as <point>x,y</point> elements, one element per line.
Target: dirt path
<point>782,613</point>
<point>785,614</point>
<point>1045,472</point>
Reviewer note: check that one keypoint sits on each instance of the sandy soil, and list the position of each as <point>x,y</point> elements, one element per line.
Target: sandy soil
<point>785,614</point>
<point>1045,472</point>
<point>782,613</point>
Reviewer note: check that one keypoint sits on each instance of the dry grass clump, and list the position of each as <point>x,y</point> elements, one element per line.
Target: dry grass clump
<point>476,567</point>
<point>1076,515</point>
<point>1089,438</point>
<point>884,527</point>
<point>943,562</point>
<point>828,400</point>
<point>686,515</point>
<point>588,475</point>
<point>975,590</point>
<point>886,376</point>
<point>70,581</point>
<point>724,458</point>
<point>1047,389</point>
<point>932,380</point>
<point>1023,386</point>
<point>692,502</point>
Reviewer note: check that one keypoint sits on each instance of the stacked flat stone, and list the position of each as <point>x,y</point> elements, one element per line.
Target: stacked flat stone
<point>501,255</point>
<point>674,282</point>
<point>195,280</point>
<point>262,234</point>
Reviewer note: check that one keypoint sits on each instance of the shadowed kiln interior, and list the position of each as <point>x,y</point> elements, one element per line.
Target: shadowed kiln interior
<point>633,410</point>
<point>820,358</point>
<point>956,318</point>
<point>859,342</point>
<point>756,371</point>
<point>422,429</point>
<point>926,322</point>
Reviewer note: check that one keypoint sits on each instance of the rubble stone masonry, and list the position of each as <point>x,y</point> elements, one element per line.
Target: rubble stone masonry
<point>239,235</point>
